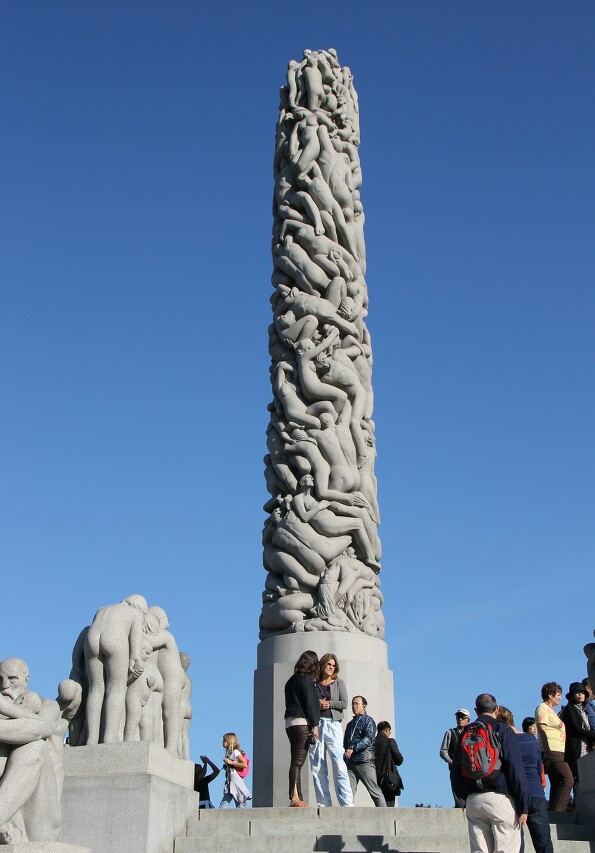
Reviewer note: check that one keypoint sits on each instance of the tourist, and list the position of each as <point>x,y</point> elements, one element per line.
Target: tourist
<point>590,703</point>
<point>201,781</point>
<point>450,741</point>
<point>359,751</point>
<point>332,696</point>
<point>496,804</point>
<point>302,713</point>
<point>537,817</point>
<point>580,737</point>
<point>234,790</point>
<point>552,738</point>
<point>387,757</point>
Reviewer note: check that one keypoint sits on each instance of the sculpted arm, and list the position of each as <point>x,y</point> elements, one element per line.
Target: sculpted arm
<point>306,514</point>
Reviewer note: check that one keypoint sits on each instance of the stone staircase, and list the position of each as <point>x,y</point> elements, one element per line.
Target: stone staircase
<point>357,830</point>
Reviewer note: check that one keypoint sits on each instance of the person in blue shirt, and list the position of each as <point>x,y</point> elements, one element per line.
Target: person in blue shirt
<point>538,822</point>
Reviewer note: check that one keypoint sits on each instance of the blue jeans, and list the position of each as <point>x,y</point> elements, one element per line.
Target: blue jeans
<point>329,749</point>
<point>538,825</point>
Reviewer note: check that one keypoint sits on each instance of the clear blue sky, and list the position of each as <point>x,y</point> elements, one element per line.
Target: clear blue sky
<point>136,159</point>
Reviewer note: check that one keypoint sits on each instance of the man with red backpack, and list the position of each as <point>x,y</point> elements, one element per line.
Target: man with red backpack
<point>489,775</point>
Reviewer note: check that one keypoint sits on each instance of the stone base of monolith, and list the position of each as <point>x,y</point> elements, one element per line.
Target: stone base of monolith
<point>364,668</point>
<point>132,797</point>
<point>43,847</point>
<point>585,801</point>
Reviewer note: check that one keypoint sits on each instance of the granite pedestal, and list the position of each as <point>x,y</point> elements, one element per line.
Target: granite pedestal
<point>364,668</point>
<point>43,847</point>
<point>585,801</point>
<point>132,797</point>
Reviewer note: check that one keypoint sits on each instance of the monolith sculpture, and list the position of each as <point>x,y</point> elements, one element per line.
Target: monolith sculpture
<point>321,547</point>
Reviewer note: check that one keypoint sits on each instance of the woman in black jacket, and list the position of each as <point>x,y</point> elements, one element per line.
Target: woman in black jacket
<point>302,710</point>
<point>580,737</point>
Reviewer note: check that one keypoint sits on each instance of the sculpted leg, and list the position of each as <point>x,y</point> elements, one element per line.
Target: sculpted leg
<point>20,778</point>
<point>116,676</point>
<point>94,698</point>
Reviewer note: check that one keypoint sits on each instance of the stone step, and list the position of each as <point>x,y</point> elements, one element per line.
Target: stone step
<point>347,843</point>
<point>358,830</point>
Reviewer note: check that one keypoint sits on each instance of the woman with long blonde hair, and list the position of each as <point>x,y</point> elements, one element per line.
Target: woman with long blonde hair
<point>234,789</point>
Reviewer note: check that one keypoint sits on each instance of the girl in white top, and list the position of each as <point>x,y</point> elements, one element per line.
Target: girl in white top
<point>234,789</point>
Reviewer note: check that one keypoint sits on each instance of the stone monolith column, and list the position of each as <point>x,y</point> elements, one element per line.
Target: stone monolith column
<point>321,547</point>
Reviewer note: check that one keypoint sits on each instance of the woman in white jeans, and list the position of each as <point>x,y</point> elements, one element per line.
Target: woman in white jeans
<point>332,695</point>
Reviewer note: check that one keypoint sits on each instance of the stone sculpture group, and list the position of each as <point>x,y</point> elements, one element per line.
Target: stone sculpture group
<point>128,682</point>
<point>134,681</point>
<point>320,540</point>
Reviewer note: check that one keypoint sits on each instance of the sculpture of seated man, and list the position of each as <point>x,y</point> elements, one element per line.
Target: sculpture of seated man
<point>29,799</point>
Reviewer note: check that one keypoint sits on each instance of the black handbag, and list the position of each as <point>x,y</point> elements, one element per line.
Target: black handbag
<point>391,783</point>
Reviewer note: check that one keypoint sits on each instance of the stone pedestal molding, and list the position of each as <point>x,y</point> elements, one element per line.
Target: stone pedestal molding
<point>132,797</point>
<point>364,669</point>
<point>44,847</point>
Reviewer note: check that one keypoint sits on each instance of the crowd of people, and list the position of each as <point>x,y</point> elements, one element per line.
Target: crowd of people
<point>315,699</point>
<point>497,772</point>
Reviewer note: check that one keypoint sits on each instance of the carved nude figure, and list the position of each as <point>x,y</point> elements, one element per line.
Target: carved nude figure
<point>139,719</point>
<point>292,299</point>
<point>168,663</point>
<point>29,801</point>
<point>331,519</point>
<point>313,387</point>
<point>112,650</point>
<point>186,709</point>
<point>304,145</point>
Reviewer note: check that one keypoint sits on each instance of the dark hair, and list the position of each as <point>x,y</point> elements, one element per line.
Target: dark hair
<point>307,664</point>
<point>586,682</point>
<point>485,703</point>
<point>383,726</point>
<point>527,723</point>
<point>363,698</point>
<point>550,688</point>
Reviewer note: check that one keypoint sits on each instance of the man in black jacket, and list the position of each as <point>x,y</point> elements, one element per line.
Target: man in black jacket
<point>359,751</point>
<point>497,805</point>
<point>387,757</point>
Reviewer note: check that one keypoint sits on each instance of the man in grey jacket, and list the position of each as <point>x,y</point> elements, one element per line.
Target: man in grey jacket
<point>450,742</point>
<point>359,751</point>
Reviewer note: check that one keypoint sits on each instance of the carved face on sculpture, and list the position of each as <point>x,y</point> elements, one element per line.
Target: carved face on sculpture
<point>326,420</point>
<point>14,677</point>
<point>307,481</point>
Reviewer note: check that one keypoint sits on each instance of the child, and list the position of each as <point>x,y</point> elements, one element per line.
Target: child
<point>234,789</point>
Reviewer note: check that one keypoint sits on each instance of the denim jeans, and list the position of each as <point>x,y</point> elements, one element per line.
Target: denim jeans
<point>228,800</point>
<point>329,749</point>
<point>538,825</point>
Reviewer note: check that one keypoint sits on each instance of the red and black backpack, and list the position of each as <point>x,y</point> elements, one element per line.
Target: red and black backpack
<point>480,751</point>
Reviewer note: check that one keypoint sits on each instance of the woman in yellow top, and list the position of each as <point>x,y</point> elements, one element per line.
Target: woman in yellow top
<point>552,739</point>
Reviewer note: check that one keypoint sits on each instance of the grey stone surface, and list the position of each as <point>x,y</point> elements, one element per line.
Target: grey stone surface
<point>131,796</point>
<point>321,546</point>
<point>31,737</point>
<point>585,805</point>
<point>44,847</point>
<point>134,680</point>
<point>260,830</point>
<point>364,669</point>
